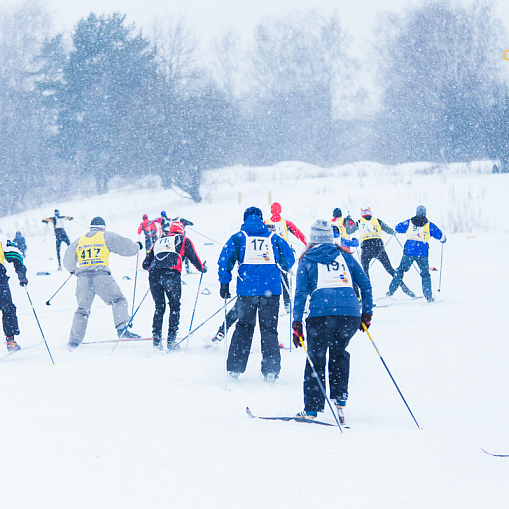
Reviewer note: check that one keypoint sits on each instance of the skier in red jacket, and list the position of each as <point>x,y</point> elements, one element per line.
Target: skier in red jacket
<point>283,228</point>
<point>149,228</point>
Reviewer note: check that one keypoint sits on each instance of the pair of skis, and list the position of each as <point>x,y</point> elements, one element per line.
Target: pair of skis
<point>294,418</point>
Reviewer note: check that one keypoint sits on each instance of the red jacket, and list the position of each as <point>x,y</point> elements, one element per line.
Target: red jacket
<point>275,210</point>
<point>149,228</point>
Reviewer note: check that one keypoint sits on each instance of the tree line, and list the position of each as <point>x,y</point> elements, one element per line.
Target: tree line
<point>111,103</point>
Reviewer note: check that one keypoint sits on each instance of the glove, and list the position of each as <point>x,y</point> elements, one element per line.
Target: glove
<point>224,291</point>
<point>204,267</point>
<point>444,241</point>
<point>297,333</point>
<point>23,281</point>
<point>140,244</point>
<point>366,320</point>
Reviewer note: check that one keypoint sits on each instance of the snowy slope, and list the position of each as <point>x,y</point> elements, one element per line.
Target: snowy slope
<point>139,429</point>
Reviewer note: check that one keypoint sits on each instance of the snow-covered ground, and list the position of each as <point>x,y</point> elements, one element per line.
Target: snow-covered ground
<point>138,429</point>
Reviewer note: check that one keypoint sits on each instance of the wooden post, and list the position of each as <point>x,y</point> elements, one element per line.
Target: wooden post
<point>210,199</point>
<point>270,198</point>
<point>240,197</point>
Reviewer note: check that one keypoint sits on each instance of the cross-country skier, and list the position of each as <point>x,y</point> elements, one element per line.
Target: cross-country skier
<point>88,258</point>
<point>185,222</point>
<point>60,234</point>
<point>149,228</point>
<point>283,228</point>
<point>164,263</point>
<point>258,252</point>
<point>418,230</point>
<point>21,243</point>
<point>10,253</point>
<point>338,227</point>
<point>372,246</point>
<point>326,274</point>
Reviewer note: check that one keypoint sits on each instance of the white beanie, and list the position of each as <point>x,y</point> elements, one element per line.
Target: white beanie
<point>321,233</point>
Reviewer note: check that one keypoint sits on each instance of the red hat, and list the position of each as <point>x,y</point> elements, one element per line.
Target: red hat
<point>177,227</point>
<point>145,217</point>
<point>366,212</point>
<point>275,208</point>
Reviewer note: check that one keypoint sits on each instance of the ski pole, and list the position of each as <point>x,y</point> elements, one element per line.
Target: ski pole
<point>45,232</point>
<point>194,309</point>
<point>205,321</point>
<point>40,328</point>
<point>291,302</point>
<point>130,321</point>
<point>301,339</point>
<point>193,230</point>
<point>441,260</point>
<point>385,365</point>
<point>225,347</point>
<point>135,279</point>
<point>48,301</point>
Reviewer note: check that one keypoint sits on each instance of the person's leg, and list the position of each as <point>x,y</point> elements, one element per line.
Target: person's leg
<point>423,263</point>
<point>384,260</point>
<point>268,313</point>
<point>343,329</point>
<point>173,289</point>
<point>404,266</point>
<point>58,242</point>
<point>85,296</point>
<point>318,338</point>
<point>242,338</point>
<point>9,318</point>
<point>366,256</point>
<point>108,290</point>
<point>157,291</point>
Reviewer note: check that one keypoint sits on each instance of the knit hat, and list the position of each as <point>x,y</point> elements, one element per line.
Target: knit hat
<point>366,212</point>
<point>97,222</point>
<point>275,208</point>
<point>253,211</point>
<point>163,213</point>
<point>337,212</point>
<point>321,233</point>
<point>421,211</point>
<point>177,227</point>
<point>145,217</point>
<point>57,212</point>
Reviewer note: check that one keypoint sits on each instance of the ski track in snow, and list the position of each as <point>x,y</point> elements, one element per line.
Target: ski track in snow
<point>140,429</point>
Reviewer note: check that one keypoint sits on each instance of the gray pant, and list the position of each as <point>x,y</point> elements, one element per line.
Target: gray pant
<point>103,285</point>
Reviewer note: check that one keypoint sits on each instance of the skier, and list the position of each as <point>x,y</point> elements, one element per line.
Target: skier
<point>258,252</point>
<point>20,242</point>
<point>372,246</point>
<point>338,226</point>
<point>149,228</point>
<point>418,230</point>
<point>164,223</point>
<point>185,222</point>
<point>9,252</point>
<point>60,234</point>
<point>283,227</point>
<point>327,273</point>
<point>164,263</point>
<point>91,252</point>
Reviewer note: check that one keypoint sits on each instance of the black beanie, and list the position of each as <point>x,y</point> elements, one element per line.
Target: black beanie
<point>253,211</point>
<point>97,222</point>
<point>337,212</point>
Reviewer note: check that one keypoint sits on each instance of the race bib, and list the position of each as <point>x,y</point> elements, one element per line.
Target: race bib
<point>259,251</point>
<point>334,275</point>
<point>165,245</point>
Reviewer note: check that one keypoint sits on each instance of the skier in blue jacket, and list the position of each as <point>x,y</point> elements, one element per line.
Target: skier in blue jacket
<point>418,230</point>
<point>327,274</point>
<point>260,255</point>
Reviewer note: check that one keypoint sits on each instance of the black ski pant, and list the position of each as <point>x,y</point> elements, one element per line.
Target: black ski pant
<point>165,282</point>
<point>240,347</point>
<point>374,248</point>
<point>332,332</point>
<point>60,236</point>
<point>9,318</point>
<point>150,240</point>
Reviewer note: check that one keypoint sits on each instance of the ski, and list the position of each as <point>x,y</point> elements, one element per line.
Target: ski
<point>21,350</point>
<point>297,419</point>
<point>116,340</point>
<point>497,455</point>
<point>433,302</point>
<point>382,304</point>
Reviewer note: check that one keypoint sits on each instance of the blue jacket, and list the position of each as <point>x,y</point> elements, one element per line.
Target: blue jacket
<point>254,279</point>
<point>330,301</point>
<point>416,247</point>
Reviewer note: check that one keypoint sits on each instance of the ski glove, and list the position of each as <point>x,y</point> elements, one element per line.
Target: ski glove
<point>204,267</point>
<point>140,244</point>
<point>224,291</point>
<point>444,240</point>
<point>23,281</point>
<point>298,333</point>
<point>366,320</point>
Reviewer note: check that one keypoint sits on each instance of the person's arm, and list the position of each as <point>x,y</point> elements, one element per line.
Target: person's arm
<point>185,222</point>
<point>436,232</point>
<point>350,225</point>
<point>13,255</point>
<point>50,220</point>
<point>148,260</point>
<point>193,255</point>
<point>297,232</point>
<point>386,228</point>
<point>402,227</point>
<point>70,256</point>
<point>229,255</point>
<point>286,256</point>
<point>302,290</point>
<point>120,245</point>
<point>69,218</point>
<point>364,284</point>
<point>140,228</point>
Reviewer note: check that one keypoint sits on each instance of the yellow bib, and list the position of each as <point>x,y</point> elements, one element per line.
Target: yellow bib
<point>340,225</point>
<point>278,227</point>
<point>418,233</point>
<point>370,229</point>
<point>2,254</point>
<point>92,251</point>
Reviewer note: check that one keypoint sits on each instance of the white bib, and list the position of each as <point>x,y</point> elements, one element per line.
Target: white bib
<point>334,275</point>
<point>259,250</point>
<point>165,245</point>
<point>60,222</point>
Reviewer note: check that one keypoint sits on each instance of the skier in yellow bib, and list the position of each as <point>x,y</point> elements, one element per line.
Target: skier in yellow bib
<point>88,258</point>
<point>372,246</point>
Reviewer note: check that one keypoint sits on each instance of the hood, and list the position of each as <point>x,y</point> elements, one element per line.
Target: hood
<point>322,253</point>
<point>419,220</point>
<point>275,210</point>
<point>254,225</point>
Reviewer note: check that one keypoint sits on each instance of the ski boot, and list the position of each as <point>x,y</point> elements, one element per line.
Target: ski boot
<point>124,333</point>
<point>340,408</point>
<point>157,343</point>
<point>172,343</point>
<point>219,335</point>
<point>72,346</point>
<point>407,290</point>
<point>307,415</point>
<point>12,346</point>
<point>270,378</point>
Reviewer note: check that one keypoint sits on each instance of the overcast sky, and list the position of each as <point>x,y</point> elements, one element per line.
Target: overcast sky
<point>209,18</point>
